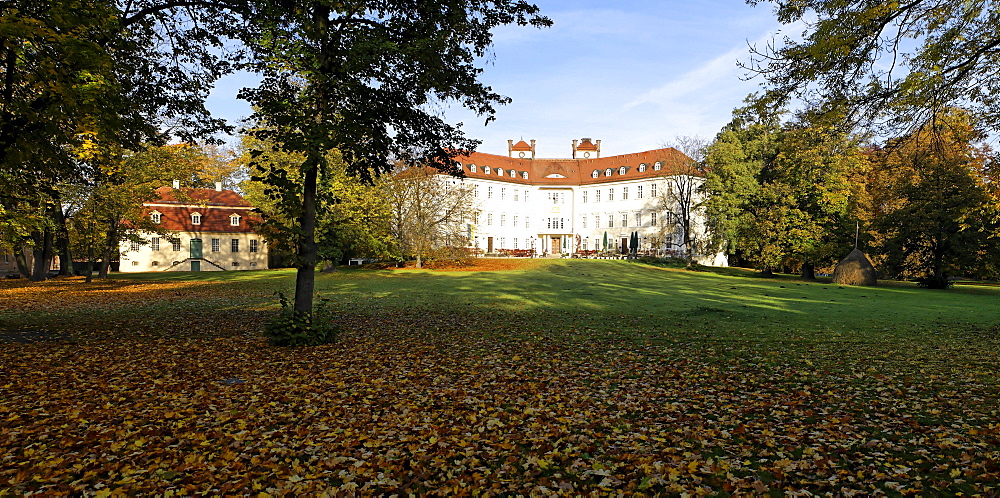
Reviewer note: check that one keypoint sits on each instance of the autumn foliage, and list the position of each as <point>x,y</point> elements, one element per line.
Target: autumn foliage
<point>167,387</point>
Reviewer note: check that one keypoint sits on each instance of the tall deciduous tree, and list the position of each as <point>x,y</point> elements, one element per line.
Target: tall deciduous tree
<point>683,196</point>
<point>893,64</point>
<point>363,79</point>
<point>935,216</point>
<point>783,194</point>
<point>428,211</point>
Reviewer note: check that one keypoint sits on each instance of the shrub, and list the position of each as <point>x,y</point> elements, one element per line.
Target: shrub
<point>291,329</point>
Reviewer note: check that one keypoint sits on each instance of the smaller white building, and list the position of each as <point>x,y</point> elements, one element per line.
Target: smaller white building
<point>206,230</point>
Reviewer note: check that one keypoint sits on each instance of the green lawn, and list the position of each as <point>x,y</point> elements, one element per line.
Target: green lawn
<point>565,376</point>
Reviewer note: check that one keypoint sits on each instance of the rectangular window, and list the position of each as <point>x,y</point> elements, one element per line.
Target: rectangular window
<point>624,193</point>
<point>584,196</point>
<point>611,221</point>
<point>562,223</point>
<point>624,220</point>
<point>502,244</point>
<point>527,222</point>
<point>597,221</point>
<point>638,219</point>
<point>515,220</point>
<point>515,242</point>
<point>154,244</point>
<point>638,192</point>
<point>525,196</point>
<point>176,244</point>
<point>597,196</point>
<point>585,244</point>
<point>475,190</point>
<point>652,190</point>
<point>583,221</point>
<point>253,245</point>
<point>503,220</point>
<point>652,219</point>
<point>216,245</point>
<point>489,192</point>
<point>611,194</point>
<point>515,195</point>
<point>489,219</point>
<point>135,246</point>
<point>503,193</point>
<point>234,244</point>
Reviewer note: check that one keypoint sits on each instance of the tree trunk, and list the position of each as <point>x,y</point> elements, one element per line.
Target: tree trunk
<point>22,263</point>
<point>90,262</point>
<point>767,272</point>
<point>42,256</point>
<point>110,244</point>
<point>62,240</point>
<point>420,263</point>
<point>305,277</point>
<point>808,271</point>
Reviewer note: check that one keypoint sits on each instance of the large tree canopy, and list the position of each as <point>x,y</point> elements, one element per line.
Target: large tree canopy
<point>366,79</point>
<point>892,65</point>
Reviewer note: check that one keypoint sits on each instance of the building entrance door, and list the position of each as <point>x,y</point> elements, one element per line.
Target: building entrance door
<point>624,245</point>
<point>556,245</point>
<point>489,245</point>
<point>196,248</point>
<point>196,266</point>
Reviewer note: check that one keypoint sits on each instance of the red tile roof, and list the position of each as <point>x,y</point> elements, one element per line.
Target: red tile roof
<point>586,144</point>
<point>214,206</point>
<point>576,171</point>
<point>522,145</point>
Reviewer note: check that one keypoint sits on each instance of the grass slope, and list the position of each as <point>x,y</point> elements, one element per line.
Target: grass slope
<point>560,377</point>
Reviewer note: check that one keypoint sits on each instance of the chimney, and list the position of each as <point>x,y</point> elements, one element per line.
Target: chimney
<point>510,148</point>
<point>177,184</point>
<point>598,149</point>
<point>574,148</point>
<point>532,148</point>
<point>218,186</point>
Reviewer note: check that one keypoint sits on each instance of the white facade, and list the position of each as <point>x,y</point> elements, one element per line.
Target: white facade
<point>569,206</point>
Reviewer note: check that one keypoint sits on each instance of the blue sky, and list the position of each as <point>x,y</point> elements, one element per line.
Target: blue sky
<point>633,74</point>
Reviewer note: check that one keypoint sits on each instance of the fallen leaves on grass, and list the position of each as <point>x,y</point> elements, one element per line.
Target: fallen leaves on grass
<point>421,402</point>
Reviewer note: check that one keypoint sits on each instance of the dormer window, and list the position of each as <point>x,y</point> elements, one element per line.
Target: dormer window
<point>156,216</point>
<point>524,175</point>
<point>472,168</point>
<point>499,171</point>
<point>642,168</point>
<point>458,165</point>
<point>513,174</point>
<point>607,172</point>
<point>234,220</point>
<point>621,171</point>
<point>486,170</point>
<point>595,174</point>
<point>657,166</point>
<point>196,218</point>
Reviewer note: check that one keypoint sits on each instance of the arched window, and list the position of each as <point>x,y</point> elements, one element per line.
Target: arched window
<point>607,172</point>
<point>657,166</point>
<point>459,166</point>
<point>196,218</point>
<point>595,174</point>
<point>499,171</point>
<point>513,174</point>
<point>472,168</point>
<point>234,220</point>
<point>486,170</point>
<point>642,168</point>
<point>621,171</point>
<point>156,216</point>
<point>524,175</point>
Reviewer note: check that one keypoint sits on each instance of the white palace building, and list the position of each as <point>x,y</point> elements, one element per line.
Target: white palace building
<point>572,206</point>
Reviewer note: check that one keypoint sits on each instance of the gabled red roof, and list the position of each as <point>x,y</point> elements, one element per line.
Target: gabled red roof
<point>522,145</point>
<point>577,171</point>
<point>586,144</point>
<point>215,207</point>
